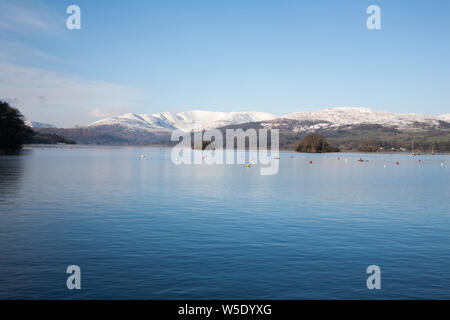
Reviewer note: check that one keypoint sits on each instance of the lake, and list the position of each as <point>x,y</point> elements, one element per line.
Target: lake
<point>148,229</point>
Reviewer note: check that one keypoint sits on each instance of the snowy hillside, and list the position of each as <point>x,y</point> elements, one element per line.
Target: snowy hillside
<point>336,117</point>
<point>39,125</point>
<point>166,122</point>
<point>186,121</point>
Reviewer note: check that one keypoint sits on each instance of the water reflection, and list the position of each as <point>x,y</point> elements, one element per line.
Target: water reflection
<point>162,231</point>
<point>11,173</point>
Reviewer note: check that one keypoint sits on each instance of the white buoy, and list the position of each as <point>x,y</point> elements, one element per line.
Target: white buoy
<point>385,166</point>
<point>142,156</point>
<point>442,164</point>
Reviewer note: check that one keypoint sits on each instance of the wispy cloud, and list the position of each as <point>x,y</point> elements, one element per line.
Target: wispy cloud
<point>27,17</point>
<point>62,99</point>
<point>18,52</point>
<point>48,96</point>
<point>107,112</point>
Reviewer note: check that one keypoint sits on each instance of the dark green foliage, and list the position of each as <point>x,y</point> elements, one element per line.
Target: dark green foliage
<point>13,131</point>
<point>375,146</point>
<point>48,138</point>
<point>109,136</point>
<point>315,143</point>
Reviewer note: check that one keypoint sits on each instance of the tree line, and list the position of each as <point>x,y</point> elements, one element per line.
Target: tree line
<point>14,133</point>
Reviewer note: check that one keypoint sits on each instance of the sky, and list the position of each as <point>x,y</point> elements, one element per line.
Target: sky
<point>277,56</point>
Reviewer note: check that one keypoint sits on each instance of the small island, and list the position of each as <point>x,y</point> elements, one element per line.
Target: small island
<point>315,143</point>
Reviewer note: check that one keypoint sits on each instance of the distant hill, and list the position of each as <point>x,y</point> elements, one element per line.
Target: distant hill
<point>48,138</point>
<point>34,124</point>
<point>346,128</point>
<point>109,136</point>
<point>298,121</point>
<point>186,121</point>
<point>351,137</point>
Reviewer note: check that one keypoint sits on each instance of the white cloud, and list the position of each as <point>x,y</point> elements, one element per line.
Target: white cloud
<point>47,96</point>
<point>15,18</point>
<point>29,17</point>
<point>61,99</point>
<point>107,112</point>
<point>18,52</point>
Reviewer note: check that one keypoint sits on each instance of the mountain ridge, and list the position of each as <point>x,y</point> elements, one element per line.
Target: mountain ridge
<point>185,121</point>
<point>38,125</point>
<point>345,127</point>
<point>309,120</point>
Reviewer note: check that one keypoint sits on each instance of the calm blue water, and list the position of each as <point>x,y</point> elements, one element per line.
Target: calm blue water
<point>148,229</point>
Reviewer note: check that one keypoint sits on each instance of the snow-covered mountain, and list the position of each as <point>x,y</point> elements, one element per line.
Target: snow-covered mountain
<point>445,117</point>
<point>350,126</point>
<point>336,117</point>
<point>186,121</point>
<point>297,122</point>
<point>38,125</point>
<point>348,116</point>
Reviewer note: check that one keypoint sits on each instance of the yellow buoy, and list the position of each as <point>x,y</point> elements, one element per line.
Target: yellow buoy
<point>248,165</point>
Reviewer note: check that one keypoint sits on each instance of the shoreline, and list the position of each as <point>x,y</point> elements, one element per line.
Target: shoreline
<point>92,146</point>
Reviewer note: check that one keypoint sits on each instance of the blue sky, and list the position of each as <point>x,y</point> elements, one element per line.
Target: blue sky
<point>274,56</point>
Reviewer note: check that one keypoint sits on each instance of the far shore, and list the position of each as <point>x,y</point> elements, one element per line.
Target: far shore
<point>92,146</point>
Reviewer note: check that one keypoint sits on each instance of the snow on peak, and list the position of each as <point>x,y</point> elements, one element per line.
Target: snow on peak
<point>327,118</point>
<point>350,116</point>
<point>35,124</point>
<point>186,121</point>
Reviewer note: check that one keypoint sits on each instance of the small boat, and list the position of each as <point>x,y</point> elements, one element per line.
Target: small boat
<point>361,160</point>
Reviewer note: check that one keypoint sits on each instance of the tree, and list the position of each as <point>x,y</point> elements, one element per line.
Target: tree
<point>315,143</point>
<point>13,131</point>
<point>370,146</point>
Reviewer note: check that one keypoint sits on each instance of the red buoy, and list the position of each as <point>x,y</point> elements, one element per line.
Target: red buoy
<point>398,163</point>
<point>292,157</point>
<point>310,162</point>
<point>339,158</point>
<point>420,160</point>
